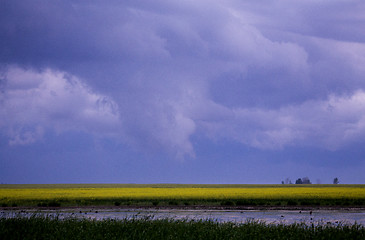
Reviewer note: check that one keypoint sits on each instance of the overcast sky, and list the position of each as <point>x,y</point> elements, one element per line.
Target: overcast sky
<point>163,91</point>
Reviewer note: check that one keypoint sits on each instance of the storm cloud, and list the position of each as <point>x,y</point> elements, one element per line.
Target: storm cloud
<point>156,76</point>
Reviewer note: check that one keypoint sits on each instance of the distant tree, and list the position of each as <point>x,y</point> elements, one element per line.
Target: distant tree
<point>288,181</point>
<point>306,180</point>
<point>336,181</point>
<point>299,181</point>
<point>282,182</point>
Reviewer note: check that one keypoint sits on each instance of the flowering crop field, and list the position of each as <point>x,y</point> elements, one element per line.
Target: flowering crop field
<point>70,194</point>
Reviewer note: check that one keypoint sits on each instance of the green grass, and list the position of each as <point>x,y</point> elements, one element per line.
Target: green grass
<point>38,227</point>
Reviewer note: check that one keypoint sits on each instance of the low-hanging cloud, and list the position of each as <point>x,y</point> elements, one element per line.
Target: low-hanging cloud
<point>33,102</point>
<point>330,124</point>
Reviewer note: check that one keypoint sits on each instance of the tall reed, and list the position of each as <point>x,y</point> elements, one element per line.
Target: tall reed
<point>47,227</point>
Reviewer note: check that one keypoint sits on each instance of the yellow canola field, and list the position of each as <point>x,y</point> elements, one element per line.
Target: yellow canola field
<point>182,193</point>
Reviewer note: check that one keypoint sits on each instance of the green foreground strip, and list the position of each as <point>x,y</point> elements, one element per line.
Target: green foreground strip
<point>53,228</point>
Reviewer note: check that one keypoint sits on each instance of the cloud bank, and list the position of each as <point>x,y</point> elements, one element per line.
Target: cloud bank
<point>155,75</point>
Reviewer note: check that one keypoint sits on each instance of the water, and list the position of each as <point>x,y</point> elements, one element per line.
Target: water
<point>332,217</point>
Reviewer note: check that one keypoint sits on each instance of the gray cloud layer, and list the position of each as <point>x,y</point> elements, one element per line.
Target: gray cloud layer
<point>267,75</point>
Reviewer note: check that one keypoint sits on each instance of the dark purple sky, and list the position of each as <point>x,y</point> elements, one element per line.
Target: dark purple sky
<point>182,91</point>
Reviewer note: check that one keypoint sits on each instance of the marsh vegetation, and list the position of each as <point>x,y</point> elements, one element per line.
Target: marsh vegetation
<point>40,227</point>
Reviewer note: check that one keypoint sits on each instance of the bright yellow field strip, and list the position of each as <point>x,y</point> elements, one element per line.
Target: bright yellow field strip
<point>182,193</point>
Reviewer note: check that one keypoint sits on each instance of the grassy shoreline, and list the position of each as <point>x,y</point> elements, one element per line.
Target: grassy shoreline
<point>37,227</point>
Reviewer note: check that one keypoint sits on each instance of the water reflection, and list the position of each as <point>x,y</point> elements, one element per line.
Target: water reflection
<point>270,217</point>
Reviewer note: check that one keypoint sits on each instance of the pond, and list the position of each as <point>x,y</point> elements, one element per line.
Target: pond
<point>333,217</point>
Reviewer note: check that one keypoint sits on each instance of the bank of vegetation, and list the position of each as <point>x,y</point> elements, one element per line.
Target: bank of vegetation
<point>43,227</point>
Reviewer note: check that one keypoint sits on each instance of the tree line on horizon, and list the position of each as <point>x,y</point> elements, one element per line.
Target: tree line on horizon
<point>305,180</point>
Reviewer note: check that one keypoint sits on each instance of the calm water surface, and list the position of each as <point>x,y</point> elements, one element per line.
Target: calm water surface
<point>270,216</point>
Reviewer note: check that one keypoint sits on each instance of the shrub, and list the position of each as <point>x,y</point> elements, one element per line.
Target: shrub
<point>359,202</point>
<point>241,203</point>
<point>306,203</point>
<point>245,202</point>
<point>54,204</point>
<point>227,203</point>
<point>173,202</point>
